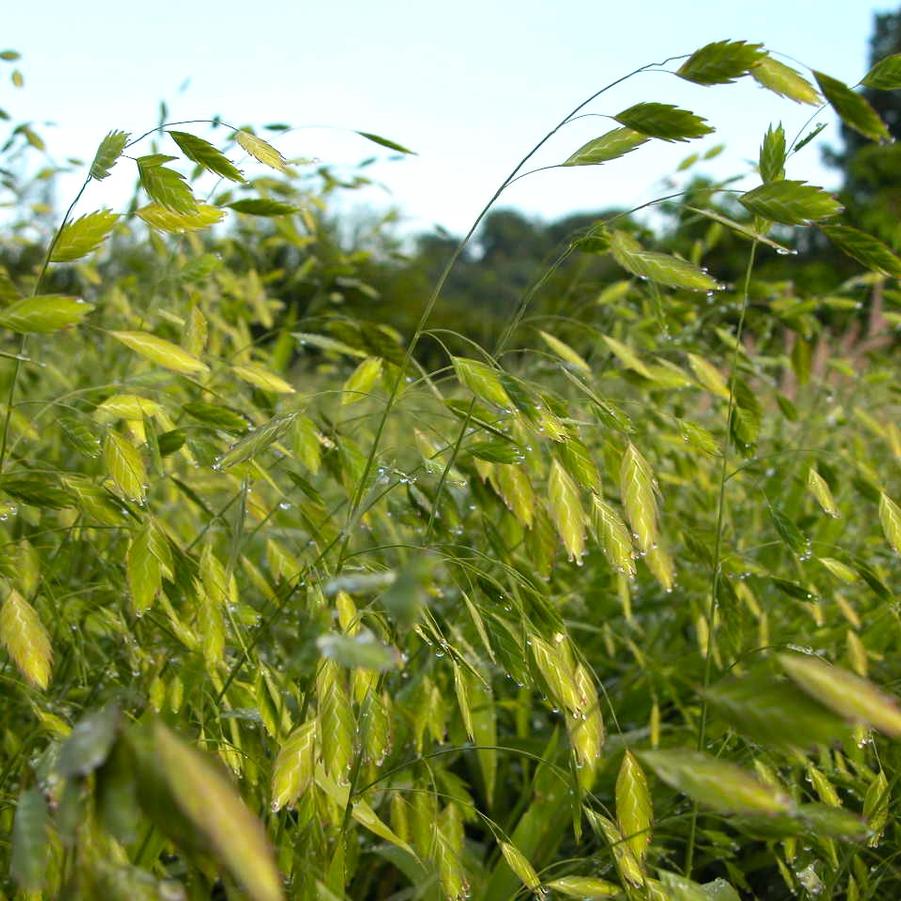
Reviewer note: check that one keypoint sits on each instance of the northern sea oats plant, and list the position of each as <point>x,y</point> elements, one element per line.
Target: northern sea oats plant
<point>605,609</point>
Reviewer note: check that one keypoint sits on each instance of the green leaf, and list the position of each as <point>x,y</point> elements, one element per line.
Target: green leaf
<point>484,381</point>
<point>785,81</point>
<point>850,696</point>
<point>80,237</point>
<point>158,350</point>
<point>565,508</point>
<point>565,352</point>
<point>864,248</point>
<point>30,841</point>
<point>212,805</point>
<point>634,812</point>
<point>772,154</point>
<point>791,202</point>
<point>890,518</point>
<point>715,783</point>
<point>203,216</point>
<point>255,442</point>
<point>742,229</point>
<point>44,313</point>
<point>885,75</point>
<point>659,267</point>
<point>165,186</point>
<point>583,887</point>
<point>222,418</point>
<point>261,206</point>
<point>664,121</point>
<point>125,467</point>
<point>809,136</point>
<point>90,743</point>
<point>263,379</point>
<point>143,569</point>
<point>770,709</point>
<point>720,62</point>
<point>292,772</point>
<point>384,142</point>
<point>109,151</point>
<point>709,376</point>
<point>361,381</point>
<point>678,888</point>
<point>206,155</point>
<point>520,865</point>
<point>853,109</point>
<point>615,143</point>
<point>262,151</point>
<point>23,635</point>
<point>360,651</point>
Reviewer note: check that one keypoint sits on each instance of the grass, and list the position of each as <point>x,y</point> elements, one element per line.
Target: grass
<point>607,610</point>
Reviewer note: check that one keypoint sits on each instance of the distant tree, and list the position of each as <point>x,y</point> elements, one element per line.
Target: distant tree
<point>872,172</point>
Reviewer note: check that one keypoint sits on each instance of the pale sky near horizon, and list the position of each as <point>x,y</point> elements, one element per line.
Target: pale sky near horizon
<point>469,85</point>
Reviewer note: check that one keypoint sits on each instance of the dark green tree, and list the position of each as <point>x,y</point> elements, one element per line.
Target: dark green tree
<point>872,172</point>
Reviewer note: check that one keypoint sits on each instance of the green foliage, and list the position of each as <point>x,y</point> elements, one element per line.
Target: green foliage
<point>308,593</point>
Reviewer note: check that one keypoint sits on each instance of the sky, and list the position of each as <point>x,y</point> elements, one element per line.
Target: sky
<point>470,85</point>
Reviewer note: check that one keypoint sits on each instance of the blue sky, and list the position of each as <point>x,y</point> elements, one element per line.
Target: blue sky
<point>469,85</point>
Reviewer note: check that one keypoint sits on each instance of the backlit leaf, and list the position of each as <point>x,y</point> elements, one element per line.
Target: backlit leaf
<point>664,121</point>
<point>634,812</point>
<point>206,155</point>
<point>615,143</point>
<point>109,151</point>
<point>709,376</point>
<point>720,62</point>
<point>361,381</point>
<point>853,109</point>
<point>202,216</point>
<point>80,237</point>
<point>854,698</point>
<point>44,313</point>
<point>583,887</point>
<point>613,536</point>
<point>565,352</point>
<point>864,248</point>
<point>263,378</point>
<point>659,267</point>
<point>215,809</point>
<point>885,75</point>
<point>638,491</point>
<point>791,202</point>
<point>772,155</point>
<point>25,638</point>
<point>262,151</point>
<point>715,783</point>
<point>484,381</point>
<point>820,489</point>
<point>165,186</point>
<point>565,508</point>
<point>125,467</point>
<point>255,442</point>
<point>294,767</point>
<point>160,351</point>
<point>785,81</point>
<point>890,517</point>
<point>520,865</point>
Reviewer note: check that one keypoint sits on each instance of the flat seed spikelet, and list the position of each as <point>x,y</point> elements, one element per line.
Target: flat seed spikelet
<point>639,497</point>
<point>25,638</point>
